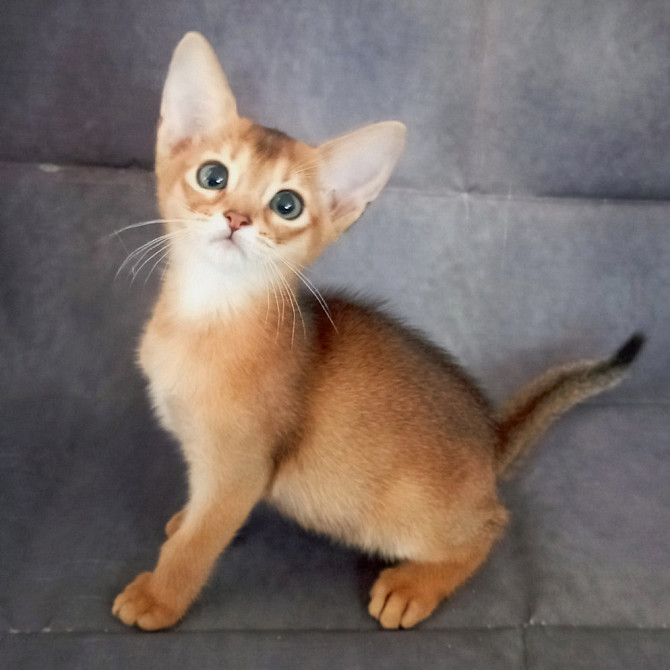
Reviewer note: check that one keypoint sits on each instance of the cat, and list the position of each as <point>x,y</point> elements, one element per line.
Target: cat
<point>336,414</point>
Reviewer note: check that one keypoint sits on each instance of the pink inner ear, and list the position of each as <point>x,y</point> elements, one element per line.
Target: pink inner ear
<point>357,166</point>
<point>341,207</point>
<point>196,97</point>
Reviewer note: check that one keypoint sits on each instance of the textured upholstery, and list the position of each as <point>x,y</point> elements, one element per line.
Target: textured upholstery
<point>527,225</point>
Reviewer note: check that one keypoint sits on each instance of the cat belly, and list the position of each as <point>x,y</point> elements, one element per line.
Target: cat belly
<point>336,516</point>
<point>370,495</point>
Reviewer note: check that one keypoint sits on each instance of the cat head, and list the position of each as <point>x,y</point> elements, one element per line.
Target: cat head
<point>245,203</point>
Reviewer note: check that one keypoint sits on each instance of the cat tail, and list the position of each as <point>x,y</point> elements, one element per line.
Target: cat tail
<point>536,406</point>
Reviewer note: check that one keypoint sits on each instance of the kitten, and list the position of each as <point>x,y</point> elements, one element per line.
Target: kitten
<point>333,412</point>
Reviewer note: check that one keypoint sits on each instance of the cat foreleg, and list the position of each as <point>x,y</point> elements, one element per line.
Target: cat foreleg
<point>218,506</point>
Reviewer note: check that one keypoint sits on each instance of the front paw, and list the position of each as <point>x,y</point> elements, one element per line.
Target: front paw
<point>139,604</point>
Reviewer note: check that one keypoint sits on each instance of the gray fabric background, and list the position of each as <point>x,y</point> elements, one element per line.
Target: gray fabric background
<point>526,225</point>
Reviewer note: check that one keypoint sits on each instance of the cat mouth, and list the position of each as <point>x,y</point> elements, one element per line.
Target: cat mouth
<point>227,243</point>
<point>225,240</point>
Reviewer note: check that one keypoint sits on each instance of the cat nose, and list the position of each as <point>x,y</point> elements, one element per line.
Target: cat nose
<point>236,220</point>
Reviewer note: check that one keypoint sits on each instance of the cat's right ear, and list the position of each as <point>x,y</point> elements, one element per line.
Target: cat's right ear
<point>197,100</point>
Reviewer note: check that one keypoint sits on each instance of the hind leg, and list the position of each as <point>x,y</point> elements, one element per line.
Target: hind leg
<point>408,593</point>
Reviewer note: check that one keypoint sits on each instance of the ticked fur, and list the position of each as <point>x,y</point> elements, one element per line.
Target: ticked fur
<point>335,413</point>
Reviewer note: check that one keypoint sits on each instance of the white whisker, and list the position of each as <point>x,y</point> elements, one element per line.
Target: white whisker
<point>161,249</point>
<point>270,264</point>
<point>165,267</point>
<point>267,291</point>
<point>291,298</point>
<point>163,257</point>
<point>138,255</point>
<point>315,292</point>
<point>145,223</point>
<point>274,291</point>
<point>307,166</point>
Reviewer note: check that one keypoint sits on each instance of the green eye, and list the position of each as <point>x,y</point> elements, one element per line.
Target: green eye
<point>288,204</point>
<point>213,175</point>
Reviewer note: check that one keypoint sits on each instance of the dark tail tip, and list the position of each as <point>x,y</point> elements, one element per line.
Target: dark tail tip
<point>629,351</point>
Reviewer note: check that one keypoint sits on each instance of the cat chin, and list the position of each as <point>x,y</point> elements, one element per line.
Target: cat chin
<point>216,281</point>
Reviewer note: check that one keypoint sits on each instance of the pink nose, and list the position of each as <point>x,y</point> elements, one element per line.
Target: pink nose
<point>236,221</point>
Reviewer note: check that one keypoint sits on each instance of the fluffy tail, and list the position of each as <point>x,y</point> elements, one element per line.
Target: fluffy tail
<point>536,406</point>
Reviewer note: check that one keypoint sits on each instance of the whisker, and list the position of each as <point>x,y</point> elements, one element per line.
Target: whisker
<point>291,297</point>
<point>161,245</point>
<point>137,251</point>
<point>283,305</point>
<point>145,248</point>
<point>274,291</point>
<point>274,288</point>
<point>315,292</point>
<point>165,267</point>
<point>306,166</point>
<point>308,170</point>
<point>145,223</point>
<point>160,238</point>
<point>163,257</point>
<point>294,299</point>
<point>161,249</point>
<point>289,294</point>
<point>123,244</point>
<point>138,255</point>
<point>267,291</point>
<point>270,264</point>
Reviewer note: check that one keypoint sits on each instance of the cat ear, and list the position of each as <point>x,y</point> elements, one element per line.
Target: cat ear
<point>355,167</point>
<point>196,97</point>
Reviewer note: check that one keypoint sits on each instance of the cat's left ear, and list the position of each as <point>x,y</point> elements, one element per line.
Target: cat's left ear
<point>197,99</point>
<point>355,167</point>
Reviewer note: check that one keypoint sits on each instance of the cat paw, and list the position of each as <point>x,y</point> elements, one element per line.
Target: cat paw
<point>138,605</point>
<point>396,600</point>
<point>172,526</point>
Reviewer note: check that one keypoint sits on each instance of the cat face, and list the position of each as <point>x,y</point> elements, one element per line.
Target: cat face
<point>244,200</point>
<point>247,205</point>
